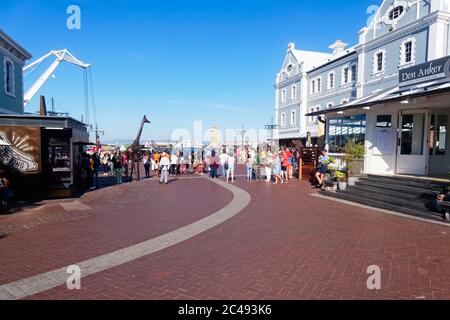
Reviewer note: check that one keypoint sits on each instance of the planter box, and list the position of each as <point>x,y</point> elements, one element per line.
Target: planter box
<point>357,167</point>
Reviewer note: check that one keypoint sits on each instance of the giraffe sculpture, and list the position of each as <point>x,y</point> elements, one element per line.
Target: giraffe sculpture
<point>136,150</point>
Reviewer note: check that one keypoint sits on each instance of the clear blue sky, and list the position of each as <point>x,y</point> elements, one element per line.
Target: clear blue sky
<point>177,61</point>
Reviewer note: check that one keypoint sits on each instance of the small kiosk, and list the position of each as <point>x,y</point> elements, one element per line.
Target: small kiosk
<point>42,155</point>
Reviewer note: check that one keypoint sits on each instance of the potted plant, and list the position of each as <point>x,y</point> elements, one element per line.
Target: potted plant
<point>354,159</point>
<point>342,180</point>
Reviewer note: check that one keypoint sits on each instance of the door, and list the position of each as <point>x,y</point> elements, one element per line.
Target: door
<point>411,148</point>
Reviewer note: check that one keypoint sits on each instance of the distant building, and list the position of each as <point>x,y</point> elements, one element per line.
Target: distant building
<point>12,60</point>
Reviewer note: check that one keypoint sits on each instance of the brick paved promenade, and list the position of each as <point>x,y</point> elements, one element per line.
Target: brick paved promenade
<point>261,242</point>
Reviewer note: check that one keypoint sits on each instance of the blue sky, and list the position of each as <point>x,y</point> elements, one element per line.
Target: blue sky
<point>177,61</point>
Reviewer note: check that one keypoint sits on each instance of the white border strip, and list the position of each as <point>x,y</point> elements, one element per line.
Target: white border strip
<point>42,282</point>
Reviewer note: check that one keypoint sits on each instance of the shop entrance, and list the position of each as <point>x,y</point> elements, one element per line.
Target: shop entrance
<point>439,143</point>
<point>412,153</point>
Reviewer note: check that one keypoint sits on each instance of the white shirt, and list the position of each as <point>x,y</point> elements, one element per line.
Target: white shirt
<point>223,158</point>
<point>174,159</point>
<point>165,163</point>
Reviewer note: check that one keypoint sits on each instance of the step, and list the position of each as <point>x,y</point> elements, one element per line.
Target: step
<point>395,187</point>
<point>398,194</point>
<point>383,205</point>
<point>423,184</point>
<point>392,199</point>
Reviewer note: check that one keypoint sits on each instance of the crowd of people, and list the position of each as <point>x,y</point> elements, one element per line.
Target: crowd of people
<point>261,165</point>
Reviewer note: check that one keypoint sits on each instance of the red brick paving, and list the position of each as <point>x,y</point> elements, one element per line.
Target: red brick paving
<point>284,245</point>
<point>120,216</point>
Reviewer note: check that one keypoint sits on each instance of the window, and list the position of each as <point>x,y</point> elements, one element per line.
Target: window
<point>283,96</point>
<point>379,61</point>
<point>384,121</point>
<point>313,86</point>
<point>354,72</point>
<point>407,51</point>
<point>331,80</point>
<point>319,85</point>
<point>9,76</point>
<point>294,93</point>
<point>345,75</point>
<point>345,129</point>
<point>438,135</point>
<point>293,117</point>
<point>396,13</point>
<point>283,119</point>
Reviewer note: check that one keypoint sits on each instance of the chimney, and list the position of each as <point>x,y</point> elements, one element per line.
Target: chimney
<point>42,107</point>
<point>338,47</point>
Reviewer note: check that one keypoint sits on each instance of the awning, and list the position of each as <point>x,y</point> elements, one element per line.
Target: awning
<point>390,95</point>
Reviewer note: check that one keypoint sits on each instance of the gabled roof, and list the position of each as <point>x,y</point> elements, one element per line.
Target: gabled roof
<point>310,59</point>
<point>11,45</point>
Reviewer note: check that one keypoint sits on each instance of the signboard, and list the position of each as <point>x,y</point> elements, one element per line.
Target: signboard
<point>431,70</point>
<point>22,149</point>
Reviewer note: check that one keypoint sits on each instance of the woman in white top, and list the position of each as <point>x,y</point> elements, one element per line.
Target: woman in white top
<point>230,171</point>
<point>268,167</point>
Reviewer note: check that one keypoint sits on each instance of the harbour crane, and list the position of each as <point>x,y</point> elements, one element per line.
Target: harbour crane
<point>61,55</point>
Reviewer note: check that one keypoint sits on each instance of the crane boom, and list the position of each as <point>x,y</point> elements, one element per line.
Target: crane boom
<point>61,55</point>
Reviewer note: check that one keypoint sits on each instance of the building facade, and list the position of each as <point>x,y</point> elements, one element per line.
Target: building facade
<point>12,60</point>
<point>389,91</point>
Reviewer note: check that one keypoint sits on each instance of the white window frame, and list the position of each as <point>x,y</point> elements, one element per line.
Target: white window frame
<point>294,92</point>
<point>283,119</point>
<point>319,87</point>
<point>355,74</point>
<point>403,52</point>
<point>329,86</point>
<point>349,78</point>
<point>375,70</point>
<point>283,96</point>
<point>11,93</point>
<point>293,117</point>
<point>313,86</point>
<point>388,21</point>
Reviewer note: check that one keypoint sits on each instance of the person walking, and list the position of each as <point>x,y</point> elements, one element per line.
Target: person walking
<point>164,164</point>
<point>147,164</point>
<point>117,161</point>
<point>231,162</point>
<point>277,168</point>
<point>257,165</point>
<point>249,165</point>
<point>268,166</point>
<point>96,167</point>
<point>214,162</point>
<point>223,160</point>
<point>173,165</point>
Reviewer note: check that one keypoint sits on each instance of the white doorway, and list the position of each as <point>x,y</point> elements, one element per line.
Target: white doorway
<point>412,152</point>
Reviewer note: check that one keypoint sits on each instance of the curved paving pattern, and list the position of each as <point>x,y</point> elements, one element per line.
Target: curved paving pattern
<point>39,283</point>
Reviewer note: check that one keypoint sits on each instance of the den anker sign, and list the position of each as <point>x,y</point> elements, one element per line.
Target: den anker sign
<point>430,70</point>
